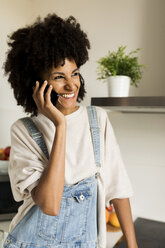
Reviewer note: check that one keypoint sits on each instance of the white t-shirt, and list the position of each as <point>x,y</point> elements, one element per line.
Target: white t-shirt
<point>27,161</point>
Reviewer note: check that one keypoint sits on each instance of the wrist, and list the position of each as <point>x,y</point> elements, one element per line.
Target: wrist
<point>61,125</point>
<point>132,244</point>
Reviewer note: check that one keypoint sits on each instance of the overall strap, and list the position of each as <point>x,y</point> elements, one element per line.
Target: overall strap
<point>95,131</point>
<point>35,134</point>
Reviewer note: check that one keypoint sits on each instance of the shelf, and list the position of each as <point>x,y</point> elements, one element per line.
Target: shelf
<point>141,104</point>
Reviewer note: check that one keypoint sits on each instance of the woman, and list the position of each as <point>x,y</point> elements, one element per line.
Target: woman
<point>65,189</point>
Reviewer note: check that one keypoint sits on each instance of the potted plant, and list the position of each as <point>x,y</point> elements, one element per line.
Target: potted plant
<point>120,70</point>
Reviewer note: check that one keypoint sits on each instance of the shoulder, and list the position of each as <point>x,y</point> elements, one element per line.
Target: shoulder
<point>19,126</point>
<point>100,111</point>
<point>102,117</point>
<point>101,114</point>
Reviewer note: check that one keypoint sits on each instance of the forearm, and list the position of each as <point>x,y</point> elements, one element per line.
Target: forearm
<point>48,193</point>
<point>123,211</point>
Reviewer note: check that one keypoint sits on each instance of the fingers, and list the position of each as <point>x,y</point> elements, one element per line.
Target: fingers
<point>48,95</point>
<point>42,99</point>
<point>41,92</point>
<point>38,94</point>
<point>35,90</point>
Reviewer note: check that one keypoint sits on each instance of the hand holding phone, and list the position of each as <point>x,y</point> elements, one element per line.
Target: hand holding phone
<point>42,98</point>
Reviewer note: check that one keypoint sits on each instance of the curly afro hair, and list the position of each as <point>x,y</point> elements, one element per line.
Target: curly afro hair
<point>36,48</point>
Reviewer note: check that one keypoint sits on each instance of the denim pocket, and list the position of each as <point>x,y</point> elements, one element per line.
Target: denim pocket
<point>70,223</point>
<point>47,226</point>
<point>76,223</point>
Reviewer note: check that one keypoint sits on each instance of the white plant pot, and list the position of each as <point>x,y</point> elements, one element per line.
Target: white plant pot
<point>118,86</point>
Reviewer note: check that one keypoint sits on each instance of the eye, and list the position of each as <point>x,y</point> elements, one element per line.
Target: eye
<point>58,77</point>
<point>75,74</point>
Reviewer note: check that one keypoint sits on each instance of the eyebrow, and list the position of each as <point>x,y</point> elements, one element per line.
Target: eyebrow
<point>61,73</point>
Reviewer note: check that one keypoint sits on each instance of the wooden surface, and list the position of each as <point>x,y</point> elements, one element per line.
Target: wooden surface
<point>111,228</point>
<point>143,101</point>
<point>145,104</point>
<point>114,234</point>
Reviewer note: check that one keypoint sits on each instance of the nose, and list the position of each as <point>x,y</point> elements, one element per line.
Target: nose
<point>69,84</point>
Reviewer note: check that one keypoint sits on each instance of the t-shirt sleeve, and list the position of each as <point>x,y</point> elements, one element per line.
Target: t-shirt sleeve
<point>26,164</point>
<point>117,182</point>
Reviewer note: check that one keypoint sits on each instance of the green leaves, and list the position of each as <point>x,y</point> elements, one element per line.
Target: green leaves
<point>119,63</point>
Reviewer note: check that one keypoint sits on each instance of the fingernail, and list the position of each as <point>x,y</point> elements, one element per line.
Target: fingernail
<point>45,82</point>
<point>50,86</point>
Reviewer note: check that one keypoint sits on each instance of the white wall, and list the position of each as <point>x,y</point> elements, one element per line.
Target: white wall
<point>110,23</point>
<point>142,141</point>
<point>13,14</point>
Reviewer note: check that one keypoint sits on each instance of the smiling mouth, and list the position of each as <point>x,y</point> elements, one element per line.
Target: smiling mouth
<point>61,94</point>
<point>68,96</point>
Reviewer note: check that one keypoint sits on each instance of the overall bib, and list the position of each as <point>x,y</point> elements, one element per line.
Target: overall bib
<point>76,223</point>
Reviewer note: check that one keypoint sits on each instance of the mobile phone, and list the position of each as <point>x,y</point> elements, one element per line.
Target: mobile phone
<point>54,96</point>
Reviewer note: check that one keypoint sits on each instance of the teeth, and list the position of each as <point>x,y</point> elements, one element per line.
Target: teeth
<point>68,95</point>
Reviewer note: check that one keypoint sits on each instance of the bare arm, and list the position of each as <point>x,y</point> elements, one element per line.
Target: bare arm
<point>123,211</point>
<point>48,193</point>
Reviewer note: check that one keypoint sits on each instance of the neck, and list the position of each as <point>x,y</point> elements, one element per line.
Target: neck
<point>66,111</point>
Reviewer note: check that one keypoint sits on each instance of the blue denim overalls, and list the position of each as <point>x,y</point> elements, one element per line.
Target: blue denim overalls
<point>76,223</point>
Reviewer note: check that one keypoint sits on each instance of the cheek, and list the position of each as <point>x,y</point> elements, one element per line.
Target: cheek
<point>56,87</point>
<point>78,84</point>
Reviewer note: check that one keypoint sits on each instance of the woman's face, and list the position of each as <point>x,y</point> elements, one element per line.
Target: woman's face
<point>66,83</point>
